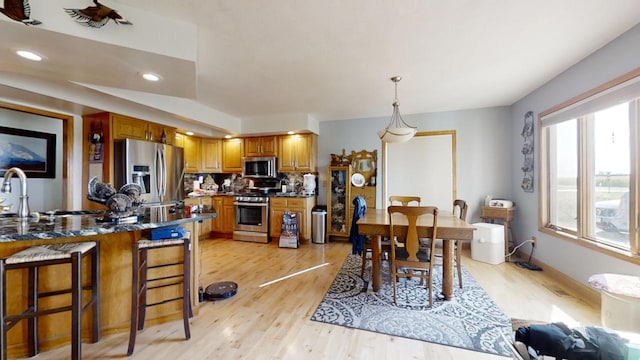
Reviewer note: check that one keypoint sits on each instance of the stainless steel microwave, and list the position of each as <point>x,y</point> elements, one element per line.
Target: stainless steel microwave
<point>259,167</point>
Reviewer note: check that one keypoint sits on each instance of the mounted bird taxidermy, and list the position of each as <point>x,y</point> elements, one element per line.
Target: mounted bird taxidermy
<point>19,10</point>
<point>96,16</point>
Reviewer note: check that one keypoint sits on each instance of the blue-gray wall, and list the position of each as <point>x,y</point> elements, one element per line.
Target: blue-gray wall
<point>483,154</point>
<point>616,58</point>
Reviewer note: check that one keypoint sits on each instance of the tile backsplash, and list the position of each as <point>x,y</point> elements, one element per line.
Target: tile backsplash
<point>290,179</point>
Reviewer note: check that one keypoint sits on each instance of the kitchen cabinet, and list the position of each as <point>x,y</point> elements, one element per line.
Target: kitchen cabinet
<point>260,146</point>
<point>125,127</point>
<point>211,155</point>
<point>232,153</point>
<point>191,147</point>
<point>280,205</point>
<point>298,153</point>
<point>339,201</point>
<point>206,226</point>
<point>225,222</point>
<point>202,154</point>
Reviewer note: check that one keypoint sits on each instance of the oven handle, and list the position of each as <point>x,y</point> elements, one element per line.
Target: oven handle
<point>250,204</point>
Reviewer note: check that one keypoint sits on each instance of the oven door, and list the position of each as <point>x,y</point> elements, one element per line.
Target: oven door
<point>252,216</point>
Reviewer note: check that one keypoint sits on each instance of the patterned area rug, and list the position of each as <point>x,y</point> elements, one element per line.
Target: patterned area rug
<point>470,321</point>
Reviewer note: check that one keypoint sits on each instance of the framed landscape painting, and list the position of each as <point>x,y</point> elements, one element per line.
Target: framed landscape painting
<point>32,151</point>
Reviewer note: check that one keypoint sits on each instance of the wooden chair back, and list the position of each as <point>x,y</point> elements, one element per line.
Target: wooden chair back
<point>408,254</point>
<point>460,208</point>
<point>404,200</point>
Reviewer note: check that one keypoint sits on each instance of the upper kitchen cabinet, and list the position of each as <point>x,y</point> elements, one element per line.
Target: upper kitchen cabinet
<point>201,154</point>
<point>260,146</point>
<point>125,127</point>
<point>211,155</point>
<point>298,152</point>
<point>232,153</point>
<point>191,146</point>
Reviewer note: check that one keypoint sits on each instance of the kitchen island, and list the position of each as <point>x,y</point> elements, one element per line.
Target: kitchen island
<point>116,242</point>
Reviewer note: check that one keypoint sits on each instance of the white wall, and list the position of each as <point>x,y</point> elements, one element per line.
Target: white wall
<point>616,58</point>
<point>483,154</point>
<point>44,194</point>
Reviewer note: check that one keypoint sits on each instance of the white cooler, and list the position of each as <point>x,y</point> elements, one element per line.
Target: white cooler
<point>488,243</point>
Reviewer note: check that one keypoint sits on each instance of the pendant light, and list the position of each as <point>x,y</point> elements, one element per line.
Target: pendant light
<point>397,131</point>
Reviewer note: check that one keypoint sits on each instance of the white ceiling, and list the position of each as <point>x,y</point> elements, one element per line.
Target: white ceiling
<point>329,59</point>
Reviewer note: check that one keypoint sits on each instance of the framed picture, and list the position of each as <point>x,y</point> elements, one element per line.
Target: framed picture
<point>32,151</point>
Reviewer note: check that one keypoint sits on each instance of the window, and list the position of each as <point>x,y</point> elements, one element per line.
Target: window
<point>588,183</point>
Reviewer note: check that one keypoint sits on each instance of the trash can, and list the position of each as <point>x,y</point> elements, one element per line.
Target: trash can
<point>488,243</point>
<point>319,224</point>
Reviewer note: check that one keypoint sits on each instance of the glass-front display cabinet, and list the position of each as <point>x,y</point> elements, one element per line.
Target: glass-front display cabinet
<point>337,198</point>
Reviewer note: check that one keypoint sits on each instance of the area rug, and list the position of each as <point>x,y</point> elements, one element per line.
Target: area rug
<point>471,320</point>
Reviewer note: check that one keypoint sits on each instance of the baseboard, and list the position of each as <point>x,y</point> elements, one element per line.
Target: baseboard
<point>576,288</point>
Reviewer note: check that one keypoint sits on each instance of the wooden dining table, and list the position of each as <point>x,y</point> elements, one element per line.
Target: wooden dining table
<point>375,223</point>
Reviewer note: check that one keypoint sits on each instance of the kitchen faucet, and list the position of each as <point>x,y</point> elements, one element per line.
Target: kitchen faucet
<point>23,209</point>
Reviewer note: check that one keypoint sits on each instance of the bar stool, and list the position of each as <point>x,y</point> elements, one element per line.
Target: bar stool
<point>141,283</point>
<point>45,255</point>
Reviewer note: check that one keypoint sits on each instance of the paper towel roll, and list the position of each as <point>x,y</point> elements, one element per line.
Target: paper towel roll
<point>196,185</point>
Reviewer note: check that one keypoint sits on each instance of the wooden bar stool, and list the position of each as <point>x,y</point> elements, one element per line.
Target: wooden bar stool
<point>45,255</point>
<point>142,283</point>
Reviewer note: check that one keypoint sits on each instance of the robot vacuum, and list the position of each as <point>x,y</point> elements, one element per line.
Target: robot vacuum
<point>220,290</point>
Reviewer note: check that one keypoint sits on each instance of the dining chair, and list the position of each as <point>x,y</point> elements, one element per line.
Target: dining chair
<point>460,210</point>
<point>407,259</point>
<point>404,200</point>
<point>385,243</point>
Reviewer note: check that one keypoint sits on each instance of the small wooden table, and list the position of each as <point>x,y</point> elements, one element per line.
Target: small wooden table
<point>375,222</point>
<point>491,214</point>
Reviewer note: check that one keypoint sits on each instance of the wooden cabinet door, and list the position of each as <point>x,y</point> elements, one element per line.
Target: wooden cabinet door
<point>297,153</point>
<point>287,153</point>
<point>228,215</point>
<point>252,146</point>
<point>232,153</point>
<point>154,133</point>
<point>269,146</point>
<point>260,146</point>
<point>216,223</point>
<point>125,127</point>
<point>277,208</point>
<point>211,155</point>
<point>191,156</point>
<point>304,153</point>
<point>179,140</point>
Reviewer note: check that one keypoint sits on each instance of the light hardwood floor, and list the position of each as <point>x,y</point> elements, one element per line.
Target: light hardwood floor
<point>272,322</point>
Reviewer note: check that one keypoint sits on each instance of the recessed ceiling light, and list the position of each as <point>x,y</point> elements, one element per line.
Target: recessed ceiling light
<point>29,55</point>
<point>227,136</point>
<point>150,76</point>
<point>190,133</point>
<point>290,132</point>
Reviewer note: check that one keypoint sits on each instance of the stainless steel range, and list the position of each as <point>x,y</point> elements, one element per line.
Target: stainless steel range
<point>252,218</point>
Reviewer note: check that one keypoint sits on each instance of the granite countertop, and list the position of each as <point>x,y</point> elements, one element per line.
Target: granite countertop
<point>87,223</point>
<point>220,193</point>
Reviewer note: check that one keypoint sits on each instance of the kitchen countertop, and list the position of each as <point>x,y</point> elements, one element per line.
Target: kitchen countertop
<point>83,223</point>
<point>278,194</point>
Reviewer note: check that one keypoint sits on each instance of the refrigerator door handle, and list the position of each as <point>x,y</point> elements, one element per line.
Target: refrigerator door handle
<point>161,174</point>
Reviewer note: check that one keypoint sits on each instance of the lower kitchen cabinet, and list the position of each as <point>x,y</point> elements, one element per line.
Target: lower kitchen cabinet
<point>223,224</point>
<point>280,205</point>
<point>206,226</point>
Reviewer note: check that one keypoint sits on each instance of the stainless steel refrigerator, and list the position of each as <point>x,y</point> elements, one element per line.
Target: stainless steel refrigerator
<point>157,168</point>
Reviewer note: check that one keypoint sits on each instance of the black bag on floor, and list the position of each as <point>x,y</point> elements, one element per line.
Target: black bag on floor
<point>586,343</point>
